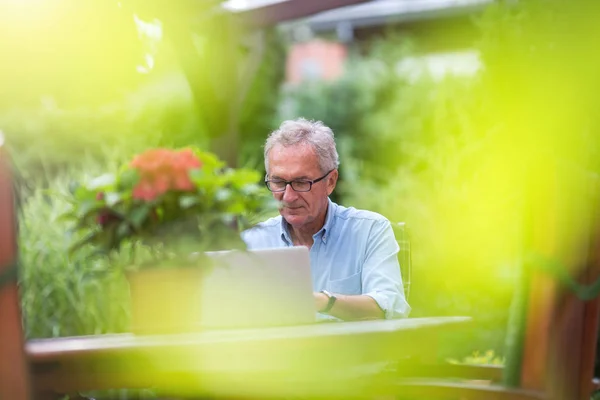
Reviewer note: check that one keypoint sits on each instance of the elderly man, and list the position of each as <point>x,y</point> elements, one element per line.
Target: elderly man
<point>353,253</point>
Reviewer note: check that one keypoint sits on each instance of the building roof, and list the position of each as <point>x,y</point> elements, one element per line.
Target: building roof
<point>378,12</point>
<point>261,13</point>
<point>246,5</point>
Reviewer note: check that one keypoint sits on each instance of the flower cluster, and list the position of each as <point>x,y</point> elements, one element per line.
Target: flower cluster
<point>161,170</point>
<point>168,199</point>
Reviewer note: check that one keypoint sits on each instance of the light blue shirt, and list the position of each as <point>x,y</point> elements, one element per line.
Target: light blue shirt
<point>354,253</point>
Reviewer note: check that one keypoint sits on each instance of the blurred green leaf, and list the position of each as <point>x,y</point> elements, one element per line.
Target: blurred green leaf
<point>112,198</point>
<point>123,230</point>
<point>243,177</point>
<point>128,179</point>
<point>222,195</point>
<point>139,214</point>
<point>73,186</point>
<point>88,239</point>
<point>66,216</point>
<point>85,207</point>
<point>186,202</point>
<point>250,189</point>
<point>103,181</point>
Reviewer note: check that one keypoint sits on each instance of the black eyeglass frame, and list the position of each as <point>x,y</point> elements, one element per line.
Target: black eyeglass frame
<point>291,183</point>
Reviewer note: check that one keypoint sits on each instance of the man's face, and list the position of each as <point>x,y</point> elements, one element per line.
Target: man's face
<point>300,162</point>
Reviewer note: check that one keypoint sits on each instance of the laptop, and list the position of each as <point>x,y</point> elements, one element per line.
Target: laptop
<point>258,288</point>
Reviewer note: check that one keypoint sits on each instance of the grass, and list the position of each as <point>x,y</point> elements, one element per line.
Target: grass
<point>64,295</point>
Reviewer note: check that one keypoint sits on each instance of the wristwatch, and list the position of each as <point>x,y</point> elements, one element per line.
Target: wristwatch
<point>330,302</point>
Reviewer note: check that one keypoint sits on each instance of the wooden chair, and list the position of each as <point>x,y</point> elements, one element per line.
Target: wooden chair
<point>404,255</point>
<point>14,370</point>
<point>553,327</point>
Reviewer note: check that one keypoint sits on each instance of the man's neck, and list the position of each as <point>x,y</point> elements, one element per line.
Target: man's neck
<point>303,236</point>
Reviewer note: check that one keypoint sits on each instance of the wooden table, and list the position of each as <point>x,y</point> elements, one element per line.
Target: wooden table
<point>306,360</point>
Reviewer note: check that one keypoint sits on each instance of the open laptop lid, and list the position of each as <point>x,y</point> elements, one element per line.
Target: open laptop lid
<point>258,288</point>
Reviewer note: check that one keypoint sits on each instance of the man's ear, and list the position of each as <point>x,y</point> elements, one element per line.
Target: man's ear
<point>332,181</point>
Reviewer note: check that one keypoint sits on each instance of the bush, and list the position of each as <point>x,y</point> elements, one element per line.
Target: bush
<point>64,295</point>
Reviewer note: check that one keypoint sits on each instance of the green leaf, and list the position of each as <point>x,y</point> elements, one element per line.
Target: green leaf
<point>244,177</point>
<point>210,161</point>
<point>109,239</point>
<point>101,182</point>
<point>228,219</point>
<point>187,201</point>
<point>199,177</point>
<point>73,186</point>
<point>223,195</point>
<point>89,238</point>
<point>128,179</point>
<point>123,230</point>
<point>250,189</point>
<point>85,207</point>
<point>138,215</point>
<point>82,194</point>
<point>66,216</point>
<point>112,198</point>
<point>236,208</point>
<point>82,223</point>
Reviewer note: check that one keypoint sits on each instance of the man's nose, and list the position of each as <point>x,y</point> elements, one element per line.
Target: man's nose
<point>289,194</point>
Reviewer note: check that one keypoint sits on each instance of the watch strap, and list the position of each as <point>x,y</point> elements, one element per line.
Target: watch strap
<point>330,302</point>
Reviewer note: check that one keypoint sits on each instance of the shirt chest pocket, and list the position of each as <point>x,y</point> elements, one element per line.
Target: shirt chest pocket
<point>349,285</point>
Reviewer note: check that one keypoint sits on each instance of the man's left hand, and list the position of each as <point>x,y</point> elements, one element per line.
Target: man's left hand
<point>348,308</point>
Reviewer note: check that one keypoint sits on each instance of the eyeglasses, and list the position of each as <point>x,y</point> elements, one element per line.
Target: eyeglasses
<point>301,185</point>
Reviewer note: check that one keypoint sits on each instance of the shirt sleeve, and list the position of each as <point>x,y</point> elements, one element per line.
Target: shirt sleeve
<point>381,278</point>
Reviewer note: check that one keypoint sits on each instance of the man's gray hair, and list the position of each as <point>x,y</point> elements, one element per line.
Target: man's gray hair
<point>300,131</point>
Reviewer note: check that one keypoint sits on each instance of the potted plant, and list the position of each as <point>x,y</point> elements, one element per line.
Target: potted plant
<point>167,207</point>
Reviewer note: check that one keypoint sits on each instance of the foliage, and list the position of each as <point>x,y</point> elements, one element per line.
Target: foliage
<point>454,157</point>
<point>170,198</point>
<point>57,141</point>
<point>48,140</point>
<point>62,294</point>
<point>477,358</point>
<point>409,150</point>
<point>259,111</point>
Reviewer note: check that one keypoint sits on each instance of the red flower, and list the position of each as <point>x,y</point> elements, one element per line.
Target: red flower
<point>144,191</point>
<point>105,217</point>
<point>162,170</point>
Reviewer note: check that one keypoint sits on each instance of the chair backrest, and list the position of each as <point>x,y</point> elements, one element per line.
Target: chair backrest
<point>404,255</point>
<point>14,374</point>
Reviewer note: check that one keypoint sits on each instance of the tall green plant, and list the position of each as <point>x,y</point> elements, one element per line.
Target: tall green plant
<point>64,295</point>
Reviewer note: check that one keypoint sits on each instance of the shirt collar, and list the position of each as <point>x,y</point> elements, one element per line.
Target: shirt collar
<point>329,218</point>
<point>323,232</point>
<point>285,232</point>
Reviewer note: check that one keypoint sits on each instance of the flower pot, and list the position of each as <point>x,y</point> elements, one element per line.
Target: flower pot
<point>165,300</point>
